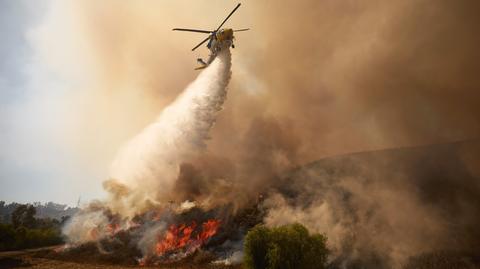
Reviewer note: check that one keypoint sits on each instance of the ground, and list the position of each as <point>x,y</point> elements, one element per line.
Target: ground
<point>42,259</point>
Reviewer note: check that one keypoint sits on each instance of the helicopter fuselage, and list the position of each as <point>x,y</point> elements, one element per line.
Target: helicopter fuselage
<point>223,38</point>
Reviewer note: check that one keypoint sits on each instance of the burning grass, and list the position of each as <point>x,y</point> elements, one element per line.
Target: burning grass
<point>164,236</point>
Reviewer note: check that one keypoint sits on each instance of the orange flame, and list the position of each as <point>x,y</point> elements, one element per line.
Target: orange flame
<point>178,237</point>
<point>113,228</point>
<point>210,228</point>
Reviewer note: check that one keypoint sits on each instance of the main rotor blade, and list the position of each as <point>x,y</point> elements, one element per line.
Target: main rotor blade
<point>241,30</point>
<point>192,30</point>
<point>201,43</point>
<point>228,16</point>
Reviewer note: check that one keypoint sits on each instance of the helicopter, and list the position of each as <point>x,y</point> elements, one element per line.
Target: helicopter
<point>217,39</point>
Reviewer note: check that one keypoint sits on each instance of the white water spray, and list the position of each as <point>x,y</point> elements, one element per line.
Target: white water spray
<point>148,165</point>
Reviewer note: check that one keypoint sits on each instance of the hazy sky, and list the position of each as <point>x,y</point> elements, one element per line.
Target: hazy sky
<point>33,165</point>
<point>19,182</point>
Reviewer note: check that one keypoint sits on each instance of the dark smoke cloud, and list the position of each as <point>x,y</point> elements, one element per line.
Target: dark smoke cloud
<point>266,151</point>
<point>357,76</point>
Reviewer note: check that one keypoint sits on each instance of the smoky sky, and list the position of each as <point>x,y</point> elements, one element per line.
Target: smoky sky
<point>339,76</point>
<point>359,76</point>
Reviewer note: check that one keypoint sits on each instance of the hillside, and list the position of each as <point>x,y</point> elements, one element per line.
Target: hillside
<point>383,208</point>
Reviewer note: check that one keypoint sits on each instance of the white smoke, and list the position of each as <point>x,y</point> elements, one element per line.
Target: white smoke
<point>234,259</point>
<point>145,169</point>
<point>86,226</point>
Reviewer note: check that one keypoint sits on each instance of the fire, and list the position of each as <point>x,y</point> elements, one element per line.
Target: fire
<point>113,228</point>
<point>209,229</point>
<point>179,237</point>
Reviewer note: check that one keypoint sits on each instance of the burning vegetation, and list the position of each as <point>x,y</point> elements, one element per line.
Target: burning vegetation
<point>164,236</point>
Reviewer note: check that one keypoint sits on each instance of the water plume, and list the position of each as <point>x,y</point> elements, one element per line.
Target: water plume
<point>146,168</point>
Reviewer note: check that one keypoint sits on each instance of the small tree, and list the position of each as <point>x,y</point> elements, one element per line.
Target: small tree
<point>284,247</point>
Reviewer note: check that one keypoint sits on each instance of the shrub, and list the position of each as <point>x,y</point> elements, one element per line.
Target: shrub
<point>285,247</point>
<point>19,238</point>
<point>26,231</point>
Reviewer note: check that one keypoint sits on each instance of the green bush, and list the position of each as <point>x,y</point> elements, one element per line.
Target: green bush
<point>26,231</point>
<point>20,238</point>
<point>284,247</point>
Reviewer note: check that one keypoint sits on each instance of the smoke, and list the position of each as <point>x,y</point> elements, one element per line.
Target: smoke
<point>85,225</point>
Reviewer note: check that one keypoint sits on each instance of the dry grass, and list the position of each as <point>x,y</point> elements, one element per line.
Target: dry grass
<point>46,259</point>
